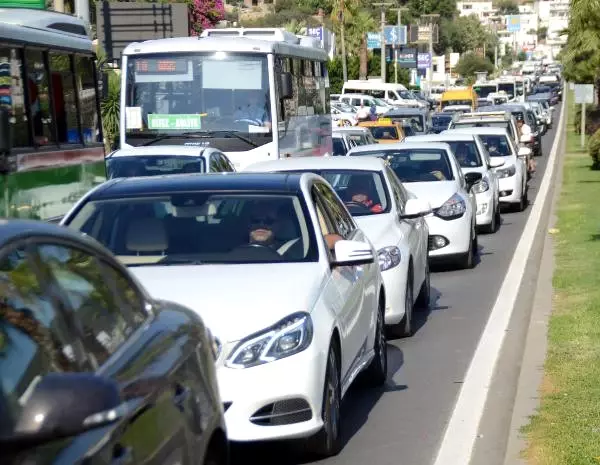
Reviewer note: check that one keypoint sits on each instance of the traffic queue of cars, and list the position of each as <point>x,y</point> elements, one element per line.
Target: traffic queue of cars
<point>153,355</point>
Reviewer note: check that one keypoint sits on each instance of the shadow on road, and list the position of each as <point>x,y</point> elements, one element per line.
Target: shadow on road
<point>356,408</point>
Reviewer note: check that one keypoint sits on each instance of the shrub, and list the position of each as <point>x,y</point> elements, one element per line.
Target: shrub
<point>592,119</point>
<point>594,149</point>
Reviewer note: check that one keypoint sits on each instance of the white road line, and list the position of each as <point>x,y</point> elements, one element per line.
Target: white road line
<point>459,439</point>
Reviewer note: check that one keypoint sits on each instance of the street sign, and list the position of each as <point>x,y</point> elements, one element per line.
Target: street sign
<point>513,23</point>
<point>315,32</point>
<point>584,93</point>
<point>424,33</point>
<point>395,35</point>
<point>407,58</point>
<point>373,40</point>
<point>424,61</point>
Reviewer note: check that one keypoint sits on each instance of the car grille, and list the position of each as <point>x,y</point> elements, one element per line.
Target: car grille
<point>284,412</point>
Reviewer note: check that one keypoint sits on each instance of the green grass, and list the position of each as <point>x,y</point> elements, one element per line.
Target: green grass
<point>566,428</point>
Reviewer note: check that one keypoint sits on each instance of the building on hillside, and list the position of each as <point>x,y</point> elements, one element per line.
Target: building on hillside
<point>484,10</point>
<point>554,15</point>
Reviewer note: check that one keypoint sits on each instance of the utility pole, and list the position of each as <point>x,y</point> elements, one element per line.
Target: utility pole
<point>343,40</point>
<point>396,47</point>
<point>431,24</point>
<point>383,50</point>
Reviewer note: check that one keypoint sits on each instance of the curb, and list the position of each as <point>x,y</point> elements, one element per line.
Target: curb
<point>531,375</point>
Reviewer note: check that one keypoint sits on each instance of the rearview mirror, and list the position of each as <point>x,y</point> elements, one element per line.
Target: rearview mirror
<point>63,405</point>
<point>415,208</point>
<point>524,152</point>
<point>286,86</point>
<point>496,162</point>
<point>472,179</point>
<point>352,253</point>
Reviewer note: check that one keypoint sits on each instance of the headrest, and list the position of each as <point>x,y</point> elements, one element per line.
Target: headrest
<point>147,235</point>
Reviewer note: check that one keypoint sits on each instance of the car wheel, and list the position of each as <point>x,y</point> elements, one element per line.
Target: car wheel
<point>376,373</point>
<point>425,292</point>
<point>467,261</point>
<point>493,226</point>
<point>328,441</point>
<point>405,327</point>
<point>523,202</point>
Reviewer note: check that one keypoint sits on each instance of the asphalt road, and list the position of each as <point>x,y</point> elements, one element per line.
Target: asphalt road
<point>405,422</point>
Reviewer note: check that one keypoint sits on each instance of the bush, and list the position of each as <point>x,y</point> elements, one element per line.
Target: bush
<point>594,149</point>
<point>592,119</point>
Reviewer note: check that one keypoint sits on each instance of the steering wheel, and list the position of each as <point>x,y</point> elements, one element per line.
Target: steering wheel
<point>357,205</point>
<point>260,249</point>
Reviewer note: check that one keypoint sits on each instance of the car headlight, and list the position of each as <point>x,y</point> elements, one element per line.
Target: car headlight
<point>389,257</point>
<point>481,187</point>
<point>506,172</point>
<point>453,208</point>
<point>289,336</point>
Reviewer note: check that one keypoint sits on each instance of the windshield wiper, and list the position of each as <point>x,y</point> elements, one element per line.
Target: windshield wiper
<point>171,136</point>
<point>229,132</point>
<point>181,261</point>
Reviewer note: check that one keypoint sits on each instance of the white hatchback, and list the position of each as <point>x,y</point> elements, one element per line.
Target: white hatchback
<point>512,174</point>
<point>393,221</point>
<point>430,171</point>
<point>280,272</point>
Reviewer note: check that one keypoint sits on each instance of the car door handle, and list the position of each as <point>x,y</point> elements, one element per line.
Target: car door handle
<point>181,395</point>
<point>122,455</point>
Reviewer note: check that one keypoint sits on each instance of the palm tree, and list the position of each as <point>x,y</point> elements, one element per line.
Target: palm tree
<point>341,17</point>
<point>362,23</point>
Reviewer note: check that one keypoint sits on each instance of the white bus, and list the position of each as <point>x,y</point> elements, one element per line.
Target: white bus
<point>51,149</point>
<point>255,94</point>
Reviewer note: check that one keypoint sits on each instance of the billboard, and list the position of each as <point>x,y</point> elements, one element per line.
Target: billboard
<point>424,61</point>
<point>407,58</point>
<point>395,35</point>
<point>373,40</point>
<point>513,23</point>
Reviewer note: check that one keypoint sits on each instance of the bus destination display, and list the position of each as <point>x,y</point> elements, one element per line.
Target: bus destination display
<point>161,66</point>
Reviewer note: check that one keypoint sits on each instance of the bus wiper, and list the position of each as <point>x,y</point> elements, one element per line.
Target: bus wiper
<point>229,132</point>
<point>168,136</point>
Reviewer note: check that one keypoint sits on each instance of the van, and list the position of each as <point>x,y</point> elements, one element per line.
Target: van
<point>465,96</point>
<point>395,94</point>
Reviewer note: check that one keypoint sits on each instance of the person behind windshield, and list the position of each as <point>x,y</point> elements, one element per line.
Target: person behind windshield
<point>268,223</point>
<point>255,110</point>
<point>462,155</point>
<point>373,112</point>
<point>359,191</point>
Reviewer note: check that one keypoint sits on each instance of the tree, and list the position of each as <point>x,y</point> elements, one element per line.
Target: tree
<point>362,23</point>
<point>445,8</point>
<point>470,63</point>
<point>542,33</point>
<point>507,7</point>
<point>466,34</point>
<point>205,14</point>
<point>521,56</point>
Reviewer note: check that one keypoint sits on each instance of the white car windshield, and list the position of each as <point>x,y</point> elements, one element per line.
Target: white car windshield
<point>466,153</point>
<point>153,165</point>
<point>415,165</point>
<point>497,146</point>
<point>199,228</point>
<point>343,107</point>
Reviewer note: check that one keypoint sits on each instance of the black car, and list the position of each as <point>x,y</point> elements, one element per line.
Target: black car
<point>93,369</point>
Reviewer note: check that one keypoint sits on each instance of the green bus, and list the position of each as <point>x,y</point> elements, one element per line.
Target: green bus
<point>51,142</point>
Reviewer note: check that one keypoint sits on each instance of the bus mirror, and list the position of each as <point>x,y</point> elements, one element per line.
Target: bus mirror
<point>285,86</point>
<point>4,131</point>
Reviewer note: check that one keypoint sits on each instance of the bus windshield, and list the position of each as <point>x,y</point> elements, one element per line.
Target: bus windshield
<point>195,93</point>
<point>507,87</point>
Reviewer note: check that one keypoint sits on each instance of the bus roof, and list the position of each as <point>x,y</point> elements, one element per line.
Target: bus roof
<point>278,44</point>
<point>43,27</point>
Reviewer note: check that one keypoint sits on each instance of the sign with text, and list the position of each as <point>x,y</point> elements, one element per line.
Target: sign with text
<point>407,58</point>
<point>423,61</point>
<point>395,35</point>
<point>373,40</point>
<point>584,93</point>
<point>513,23</point>
<point>174,122</point>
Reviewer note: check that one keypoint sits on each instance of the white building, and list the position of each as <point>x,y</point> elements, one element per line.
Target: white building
<point>484,10</point>
<point>553,14</point>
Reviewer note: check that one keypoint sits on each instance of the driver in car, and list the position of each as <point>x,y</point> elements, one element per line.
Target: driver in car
<point>266,222</point>
<point>358,193</point>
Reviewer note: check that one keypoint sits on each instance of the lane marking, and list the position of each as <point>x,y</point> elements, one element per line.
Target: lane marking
<point>459,439</point>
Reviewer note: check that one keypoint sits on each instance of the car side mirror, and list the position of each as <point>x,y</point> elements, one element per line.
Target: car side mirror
<point>472,179</point>
<point>416,208</point>
<point>286,86</point>
<point>496,162</point>
<point>63,405</point>
<point>352,253</point>
<point>524,152</point>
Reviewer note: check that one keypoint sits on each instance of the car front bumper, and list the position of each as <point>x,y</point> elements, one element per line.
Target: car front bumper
<point>485,208</point>
<point>510,189</point>
<point>455,232</point>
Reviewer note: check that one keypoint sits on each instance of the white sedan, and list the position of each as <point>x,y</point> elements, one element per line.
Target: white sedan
<point>512,174</point>
<point>472,157</point>
<point>281,273</point>
<point>430,171</point>
<point>392,220</point>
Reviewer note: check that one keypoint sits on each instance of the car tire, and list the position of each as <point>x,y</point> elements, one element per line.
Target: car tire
<point>328,441</point>
<point>405,327</point>
<point>425,293</point>
<point>493,226</point>
<point>376,373</point>
<point>522,205</point>
<point>467,261</point>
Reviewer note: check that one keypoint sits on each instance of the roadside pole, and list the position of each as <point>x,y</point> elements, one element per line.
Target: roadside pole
<point>583,125</point>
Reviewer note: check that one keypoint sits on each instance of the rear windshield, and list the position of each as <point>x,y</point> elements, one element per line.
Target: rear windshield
<point>497,146</point>
<point>466,153</point>
<point>153,165</point>
<point>384,132</point>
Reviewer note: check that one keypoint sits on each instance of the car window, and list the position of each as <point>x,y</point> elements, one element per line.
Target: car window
<point>415,165</point>
<point>342,219</point>
<point>497,146</point>
<point>466,153</point>
<point>327,227</point>
<point>153,165</point>
<point>397,192</point>
<point>214,163</point>
<point>106,311</point>
<point>201,227</point>
<point>229,166</point>
<point>338,146</point>
<point>34,337</point>
<point>384,132</point>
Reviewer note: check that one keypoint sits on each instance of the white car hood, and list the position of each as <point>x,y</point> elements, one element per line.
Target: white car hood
<point>235,300</point>
<point>379,229</point>
<point>435,192</point>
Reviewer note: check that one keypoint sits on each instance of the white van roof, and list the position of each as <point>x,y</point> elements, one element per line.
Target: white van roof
<point>358,84</point>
